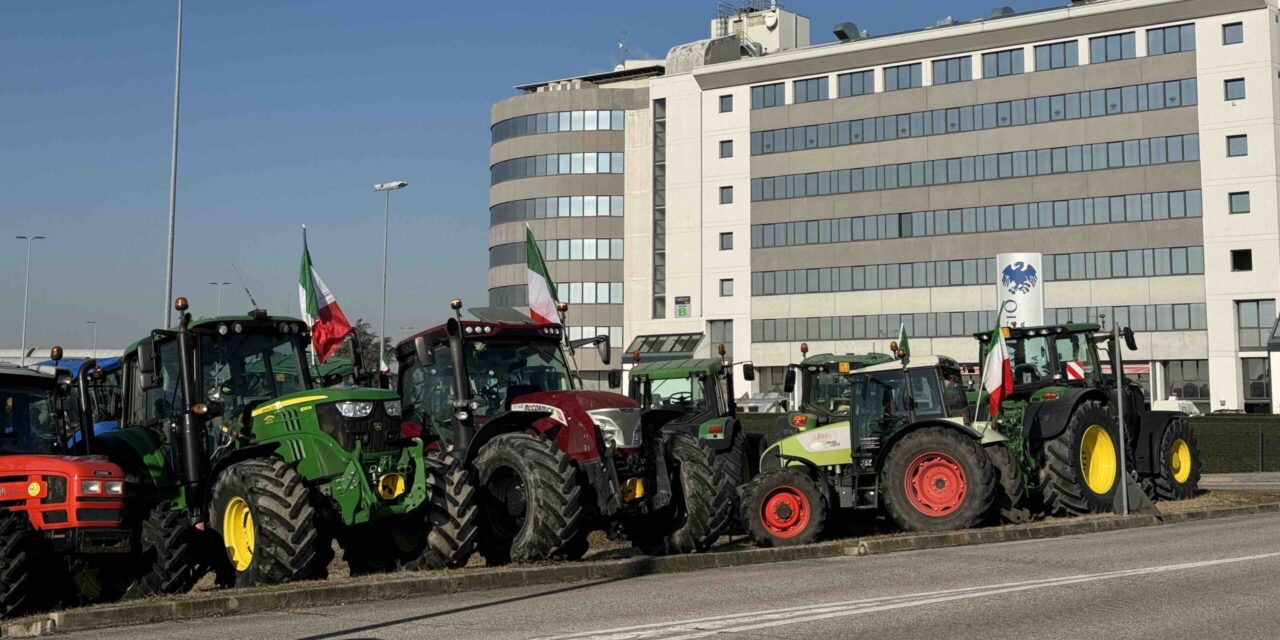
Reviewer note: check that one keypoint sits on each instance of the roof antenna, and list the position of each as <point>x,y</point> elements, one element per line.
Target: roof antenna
<point>246,287</point>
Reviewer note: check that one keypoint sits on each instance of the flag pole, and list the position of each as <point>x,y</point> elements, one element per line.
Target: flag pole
<point>310,351</point>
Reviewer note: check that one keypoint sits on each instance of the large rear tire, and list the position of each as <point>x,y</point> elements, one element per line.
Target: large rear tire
<point>24,563</point>
<point>169,554</point>
<point>783,508</point>
<point>263,516</point>
<point>1011,499</point>
<point>937,479</point>
<point>1178,470</point>
<point>699,511</point>
<point>734,465</point>
<point>1080,469</point>
<point>442,534</point>
<point>528,496</point>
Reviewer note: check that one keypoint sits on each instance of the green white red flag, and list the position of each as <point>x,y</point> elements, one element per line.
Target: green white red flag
<point>997,370</point>
<point>329,327</point>
<point>542,290</point>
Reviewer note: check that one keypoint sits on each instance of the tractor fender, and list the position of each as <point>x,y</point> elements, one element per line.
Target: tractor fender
<point>509,422</point>
<point>892,440</point>
<point>1047,420</point>
<point>718,433</point>
<point>237,455</point>
<point>1146,451</point>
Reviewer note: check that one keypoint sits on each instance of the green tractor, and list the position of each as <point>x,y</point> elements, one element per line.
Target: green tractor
<point>909,448</point>
<point>822,397</point>
<point>1062,416</point>
<point>248,467</point>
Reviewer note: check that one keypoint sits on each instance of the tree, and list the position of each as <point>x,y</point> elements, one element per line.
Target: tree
<point>367,339</point>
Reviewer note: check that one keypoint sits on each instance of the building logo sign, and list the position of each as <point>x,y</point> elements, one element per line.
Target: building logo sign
<point>1018,291</point>
<point>683,306</point>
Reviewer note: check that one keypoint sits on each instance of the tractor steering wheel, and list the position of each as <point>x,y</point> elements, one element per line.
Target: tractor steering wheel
<point>1027,368</point>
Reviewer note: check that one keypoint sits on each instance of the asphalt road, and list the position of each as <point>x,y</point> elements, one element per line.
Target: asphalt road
<point>1213,579</point>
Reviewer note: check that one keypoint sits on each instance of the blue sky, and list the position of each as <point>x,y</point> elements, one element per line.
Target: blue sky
<point>292,110</point>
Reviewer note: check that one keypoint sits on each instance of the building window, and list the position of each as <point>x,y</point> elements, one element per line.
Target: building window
<point>907,76</point>
<point>1058,55</point>
<point>1188,380</point>
<point>1257,384</point>
<point>726,241</point>
<point>1171,39</point>
<point>1237,146</point>
<point>726,195</point>
<point>1121,46</point>
<point>811,90</point>
<point>953,70</point>
<point>856,84</point>
<point>659,229</point>
<point>1003,63</point>
<point>769,95</point>
<point>726,288</point>
<point>1233,33</point>
<point>1242,260</point>
<point>726,103</point>
<point>557,121</point>
<point>721,333</point>
<point>1234,89</point>
<point>726,148</point>
<point>1239,202</point>
<point>1254,319</point>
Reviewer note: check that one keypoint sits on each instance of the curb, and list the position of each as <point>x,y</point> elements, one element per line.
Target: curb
<point>337,593</point>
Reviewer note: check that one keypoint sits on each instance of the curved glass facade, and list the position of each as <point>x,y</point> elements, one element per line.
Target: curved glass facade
<point>556,207</point>
<point>571,292</point>
<point>558,250</point>
<point>556,164</point>
<point>558,121</point>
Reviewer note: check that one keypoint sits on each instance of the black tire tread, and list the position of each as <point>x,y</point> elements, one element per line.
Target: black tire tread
<point>1062,487</point>
<point>552,516</point>
<point>452,515</point>
<point>289,545</point>
<point>754,492</point>
<point>980,479</point>
<point>170,549</point>
<point>705,514</point>
<point>23,561</point>
<point>1162,486</point>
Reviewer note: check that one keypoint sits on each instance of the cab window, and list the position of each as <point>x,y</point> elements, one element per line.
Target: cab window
<point>1079,349</point>
<point>152,407</point>
<point>428,393</point>
<point>926,401</point>
<point>686,395</point>
<point>1030,360</point>
<point>879,397</point>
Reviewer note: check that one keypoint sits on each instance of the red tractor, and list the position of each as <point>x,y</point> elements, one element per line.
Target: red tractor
<point>61,535</point>
<point>553,461</point>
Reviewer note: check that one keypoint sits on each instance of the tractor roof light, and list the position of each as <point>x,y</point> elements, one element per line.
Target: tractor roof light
<point>55,353</point>
<point>237,327</point>
<point>222,329</point>
<point>181,304</point>
<point>455,304</point>
<point>804,347</point>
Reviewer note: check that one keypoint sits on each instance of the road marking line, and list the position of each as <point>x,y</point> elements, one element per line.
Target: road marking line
<point>702,627</point>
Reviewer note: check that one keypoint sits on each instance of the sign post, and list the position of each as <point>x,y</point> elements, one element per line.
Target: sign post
<point>1020,288</point>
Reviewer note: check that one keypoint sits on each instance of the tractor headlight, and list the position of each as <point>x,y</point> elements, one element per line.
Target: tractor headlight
<point>614,426</point>
<point>91,487</point>
<point>392,407</point>
<point>355,408</point>
<point>114,487</point>
<point>612,432</point>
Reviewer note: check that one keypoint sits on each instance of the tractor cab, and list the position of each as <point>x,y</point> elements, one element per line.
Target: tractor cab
<point>33,417</point>
<point>104,387</point>
<point>686,391</point>
<point>1047,358</point>
<point>823,393</point>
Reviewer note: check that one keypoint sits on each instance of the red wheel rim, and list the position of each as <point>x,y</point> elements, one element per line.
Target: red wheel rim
<point>785,512</point>
<point>935,484</point>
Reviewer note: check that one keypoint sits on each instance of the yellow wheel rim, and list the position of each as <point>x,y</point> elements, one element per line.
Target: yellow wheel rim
<point>1098,460</point>
<point>1180,460</point>
<point>237,532</point>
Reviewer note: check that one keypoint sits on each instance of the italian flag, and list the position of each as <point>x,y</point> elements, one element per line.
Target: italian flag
<point>542,290</point>
<point>997,371</point>
<point>319,309</point>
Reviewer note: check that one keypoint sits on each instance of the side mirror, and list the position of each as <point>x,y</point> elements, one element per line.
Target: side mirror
<point>789,381</point>
<point>749,372</point>
<point>426,356</point>
<point>615,378</point>
<point>606,353</point>
<point>148,378</point>
<point>1129,340</point>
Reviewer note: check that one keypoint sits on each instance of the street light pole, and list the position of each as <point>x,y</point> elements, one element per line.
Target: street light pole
<point>173,173</point>
<point>219,285</point>
<point>95,336</point>
<point>387,187</point>
<point>26,289</point>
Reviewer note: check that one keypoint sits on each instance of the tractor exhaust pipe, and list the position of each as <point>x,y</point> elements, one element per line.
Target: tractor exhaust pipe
<point>464,421</point>
<point>86,408</point>
<point>192,432</point>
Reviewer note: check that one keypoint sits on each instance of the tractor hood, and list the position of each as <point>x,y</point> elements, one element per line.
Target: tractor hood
<point>824,447</point>
<point>617,416</point>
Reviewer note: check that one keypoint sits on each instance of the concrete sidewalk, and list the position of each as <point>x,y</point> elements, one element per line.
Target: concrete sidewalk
<point>1241,481</point>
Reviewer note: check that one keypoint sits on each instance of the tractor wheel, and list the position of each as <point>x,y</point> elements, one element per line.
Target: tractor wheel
<point>1012,497</point>
<point>1080,469</point>
<point>1178,476</point>
<point>698,512</point>
<point>783,508</point>
<point>734,465</point>
<point>169,554</point>
<point>528,497</point>
<point>24,564</point>
<point>441,535</point>
<point>263,515</point>
<point>937,479</point>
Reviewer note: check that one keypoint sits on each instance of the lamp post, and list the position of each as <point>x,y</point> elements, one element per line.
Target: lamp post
<point>219,285</point>
<point>95,336</point>
<point>26,288</point>
<point>173,174</point>
<point>387,187</point>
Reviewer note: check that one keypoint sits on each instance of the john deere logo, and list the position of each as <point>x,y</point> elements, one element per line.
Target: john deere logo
<point>377,426</point>
<point>269,419</point>
<point>1019,277</point>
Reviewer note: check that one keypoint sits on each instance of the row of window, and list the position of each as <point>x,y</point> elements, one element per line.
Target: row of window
<point>1037,215</point>
<point>1109,48</point>
<point>992,115</point>
<point>556,164</point>
<point>555,121</point>
<point>950,324</point>
<point>1254,319</point>
<point>556,207</point>
<point>575,249</point>
<point>994,166</point>
<point>1094,265</point>
<point>614,333</point>
<point>571,292</point>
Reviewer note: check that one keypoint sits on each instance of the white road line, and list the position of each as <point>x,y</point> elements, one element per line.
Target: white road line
<point>732,623</point>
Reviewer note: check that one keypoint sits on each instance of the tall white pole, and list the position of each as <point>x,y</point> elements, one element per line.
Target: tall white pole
<point>386,234</point>
<point>173,173</point>
<point>26,289</point>
<point>95,337</point>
